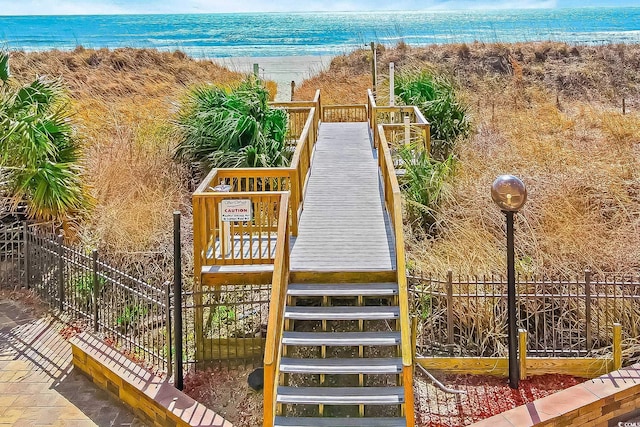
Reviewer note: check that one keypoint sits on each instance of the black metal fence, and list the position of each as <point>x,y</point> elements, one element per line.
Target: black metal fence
<point>226,326</point>
<point>467,316</point>
<point>126,312</point>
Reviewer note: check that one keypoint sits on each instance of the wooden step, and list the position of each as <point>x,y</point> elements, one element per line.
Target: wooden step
<point>213,275</point>
<point>342,289</point>
<point>341,366</point>
<point>337,339</point>
<point>342,313</point>
<point>339,422</point>
<point>340,395</point>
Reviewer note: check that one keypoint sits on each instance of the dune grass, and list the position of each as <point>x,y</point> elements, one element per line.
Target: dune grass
<point>549,113</point>
<point>123,102</point>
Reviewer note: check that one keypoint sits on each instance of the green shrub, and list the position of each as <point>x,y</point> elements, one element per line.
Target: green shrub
<point>424,183</point>
<point>39,154</point>
<point>82,288</point>
<point>435,95</point>
<point>232,128</point>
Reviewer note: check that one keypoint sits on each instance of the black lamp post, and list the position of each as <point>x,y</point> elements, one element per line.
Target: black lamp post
<point>510,194</point>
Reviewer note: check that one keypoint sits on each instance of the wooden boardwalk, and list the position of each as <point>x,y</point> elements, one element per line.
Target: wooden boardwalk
<point>344,225</point>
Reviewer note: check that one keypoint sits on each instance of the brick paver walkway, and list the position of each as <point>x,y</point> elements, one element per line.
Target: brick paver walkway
<point>38,386</point>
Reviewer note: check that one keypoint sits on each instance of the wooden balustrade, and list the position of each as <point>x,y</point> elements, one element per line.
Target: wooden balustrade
<point>211,246</point>
<point>220,241</point>
<point>275,326</point>
<point>396,135</point>
<point>256,180</point>
<point>344,113</point>
<point>393,202</point>
<point>301,160</point>
<point>393,119</point>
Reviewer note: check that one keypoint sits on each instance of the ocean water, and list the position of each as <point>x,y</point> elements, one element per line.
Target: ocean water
<point>316,34</point>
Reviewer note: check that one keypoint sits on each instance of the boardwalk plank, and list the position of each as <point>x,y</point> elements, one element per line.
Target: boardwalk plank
<point>344,225</point>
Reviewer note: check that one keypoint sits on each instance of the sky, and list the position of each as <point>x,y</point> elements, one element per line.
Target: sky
<point>89,7</point>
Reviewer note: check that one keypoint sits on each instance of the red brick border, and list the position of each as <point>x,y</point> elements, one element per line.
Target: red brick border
<point>593,403</point>
<point>149,396</point>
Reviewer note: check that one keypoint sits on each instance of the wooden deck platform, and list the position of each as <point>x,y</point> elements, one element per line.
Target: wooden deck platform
<point>344,225</point>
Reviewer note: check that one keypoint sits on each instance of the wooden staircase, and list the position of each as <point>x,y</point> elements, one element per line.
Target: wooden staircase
<point>341,363</point>
<point>338,352</point>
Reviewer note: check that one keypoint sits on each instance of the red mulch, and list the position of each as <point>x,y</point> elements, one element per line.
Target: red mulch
<point>226,392</point>
<point>486,396</point>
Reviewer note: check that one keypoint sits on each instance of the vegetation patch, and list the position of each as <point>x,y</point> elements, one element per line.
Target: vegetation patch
<point>231,127</point>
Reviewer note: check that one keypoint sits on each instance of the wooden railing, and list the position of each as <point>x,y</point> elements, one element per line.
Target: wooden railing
<point>416,134</point>
<point>256,180</point>
<point>275,327</point>
<point>393,201</point>
<point>296,106</point>
<point>344,113</point>
<point>250,240</point>
<point>394,118</point>
<point>301,160</point>
<point>296,119</point>
<point>218,243</point>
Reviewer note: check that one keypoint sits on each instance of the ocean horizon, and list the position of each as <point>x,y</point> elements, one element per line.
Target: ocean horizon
<point>319,33</point>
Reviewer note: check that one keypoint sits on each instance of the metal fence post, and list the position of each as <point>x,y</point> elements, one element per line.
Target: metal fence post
<point>61,270</point>
<point>177,302</point>
<point>587,308</point>
<point>96,293</point>
<point>449,307</point>
<point>25,249</point>
<point>169,326</point>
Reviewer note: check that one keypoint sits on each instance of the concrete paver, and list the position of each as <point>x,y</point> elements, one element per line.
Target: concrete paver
<point>38,386</point>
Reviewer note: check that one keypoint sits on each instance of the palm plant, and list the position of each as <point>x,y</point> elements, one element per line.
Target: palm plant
<point>435,95</point>
<point>39,163</point>
<point>424,183</point>
<point>231,128</point>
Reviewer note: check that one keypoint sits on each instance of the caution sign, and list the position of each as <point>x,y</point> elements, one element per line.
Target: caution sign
<point>233,210</point>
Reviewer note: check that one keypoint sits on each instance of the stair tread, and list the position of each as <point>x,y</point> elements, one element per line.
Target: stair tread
<point>341,395</point>
<point>339,422</point>
<point>392,365</point>
<point>342,313</point>
<point>341,338</point>
<point>342,289</point>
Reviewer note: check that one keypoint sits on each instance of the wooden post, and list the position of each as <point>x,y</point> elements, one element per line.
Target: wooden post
<point>256,70</point>
<point>587,308</point>
<point>392,84</point>
<point>617,346</point>
<point>293,88</point>
<point>450,307</point>
<point>624,107</point>
<point>374,69</point>
<point>407,130</point>
<point>522,351</point>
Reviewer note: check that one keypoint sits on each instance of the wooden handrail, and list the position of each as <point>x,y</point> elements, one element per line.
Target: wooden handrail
<point>423,131</point>
<point>301,160</point>
<point>292,178</point>
<point>393,200</point>
<point>275,327</point>
<point>235,242</point>
<point>345,113</point>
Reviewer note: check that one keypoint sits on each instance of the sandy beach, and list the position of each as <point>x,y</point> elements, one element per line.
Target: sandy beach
<point>281,69</point>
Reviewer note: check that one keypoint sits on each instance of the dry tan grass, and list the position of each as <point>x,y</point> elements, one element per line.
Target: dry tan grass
<point>339,85</point>
<point>549,113</point>
<point>124,100</point>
